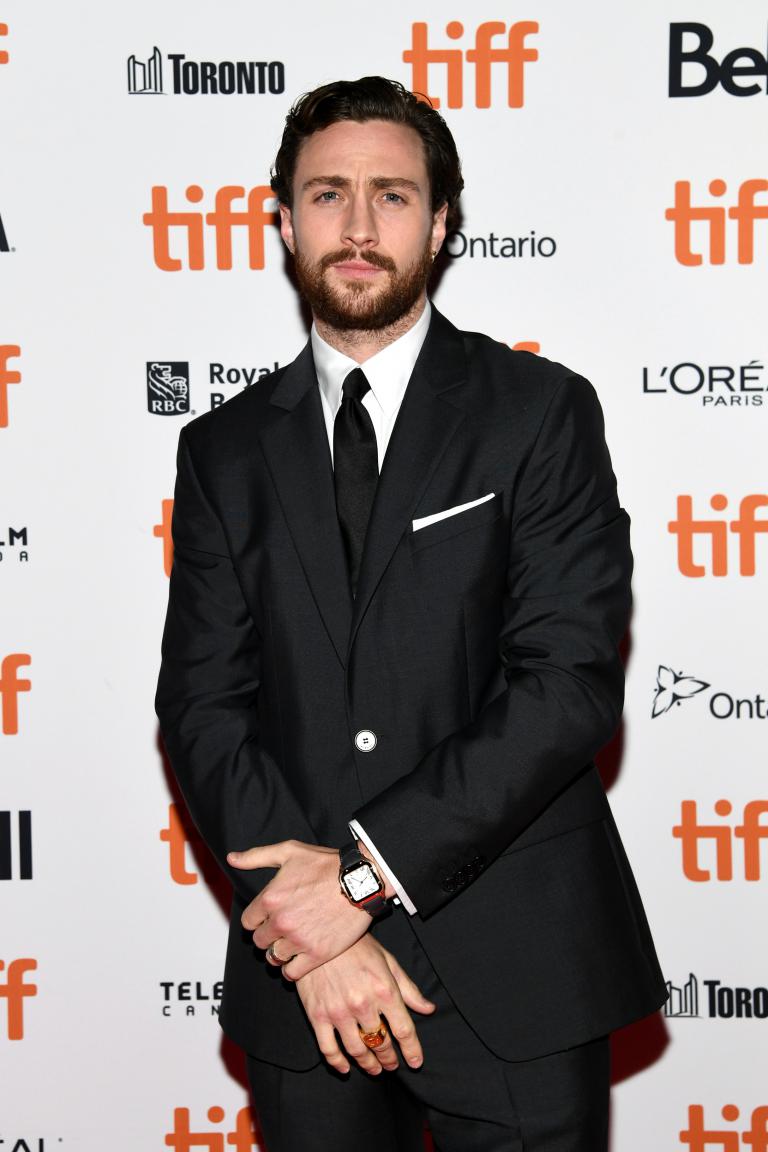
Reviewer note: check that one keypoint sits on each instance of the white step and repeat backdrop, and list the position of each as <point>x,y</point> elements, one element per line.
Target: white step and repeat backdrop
<point>615,218</point>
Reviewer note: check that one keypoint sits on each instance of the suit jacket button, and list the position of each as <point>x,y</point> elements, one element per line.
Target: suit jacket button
<point>449,885</point>
<point>365,740</point>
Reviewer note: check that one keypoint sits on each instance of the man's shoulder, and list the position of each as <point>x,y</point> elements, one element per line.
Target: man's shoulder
<point>237,419</point>
<point>517,377</point>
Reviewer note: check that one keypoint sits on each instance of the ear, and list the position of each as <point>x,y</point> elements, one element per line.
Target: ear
<point>438,228</point>
<point>286,227</point>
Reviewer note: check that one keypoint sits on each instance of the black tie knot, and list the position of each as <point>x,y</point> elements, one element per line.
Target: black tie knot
<point>355,385</point>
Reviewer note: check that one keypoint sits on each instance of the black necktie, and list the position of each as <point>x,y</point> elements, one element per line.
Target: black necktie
<point>355,468</point>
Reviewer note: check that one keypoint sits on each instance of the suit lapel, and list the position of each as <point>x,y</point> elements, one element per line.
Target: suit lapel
<point>428,418</point>
<point>295,444</point>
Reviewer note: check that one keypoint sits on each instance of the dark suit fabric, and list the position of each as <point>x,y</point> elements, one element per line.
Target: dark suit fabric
<point>471,1100</point>
<point>483,652</point>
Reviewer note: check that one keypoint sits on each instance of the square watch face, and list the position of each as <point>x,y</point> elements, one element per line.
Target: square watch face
<point>361,882</point>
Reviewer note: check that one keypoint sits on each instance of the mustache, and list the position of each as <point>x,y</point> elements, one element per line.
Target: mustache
<point>344,254</point>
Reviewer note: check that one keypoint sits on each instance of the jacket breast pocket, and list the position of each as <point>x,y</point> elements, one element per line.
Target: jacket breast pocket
<point>457,523</point>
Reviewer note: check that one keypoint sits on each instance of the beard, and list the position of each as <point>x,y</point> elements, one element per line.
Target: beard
<point>358,306</point>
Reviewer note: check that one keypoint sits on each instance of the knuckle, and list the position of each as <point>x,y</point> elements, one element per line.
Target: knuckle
<point>404,1031</point>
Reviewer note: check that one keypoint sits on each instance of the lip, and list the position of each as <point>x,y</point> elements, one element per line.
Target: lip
<point>357,269</point>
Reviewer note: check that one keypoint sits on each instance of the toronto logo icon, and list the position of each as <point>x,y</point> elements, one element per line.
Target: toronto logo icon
<point>146,79</point>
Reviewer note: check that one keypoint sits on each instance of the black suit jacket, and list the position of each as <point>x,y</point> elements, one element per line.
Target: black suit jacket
<point>483,652</point>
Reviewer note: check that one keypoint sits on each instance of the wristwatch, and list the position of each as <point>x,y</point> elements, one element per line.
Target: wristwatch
<point>360,881</point>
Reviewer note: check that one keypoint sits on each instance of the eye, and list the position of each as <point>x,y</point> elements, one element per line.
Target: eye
<point>328,197</point>
<point>393,198</point>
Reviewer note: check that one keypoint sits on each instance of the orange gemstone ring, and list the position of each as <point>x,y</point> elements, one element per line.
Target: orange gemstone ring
<point>373,1039</point>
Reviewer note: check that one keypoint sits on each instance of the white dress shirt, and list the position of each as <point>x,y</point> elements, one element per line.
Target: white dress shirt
<point>388,373</point>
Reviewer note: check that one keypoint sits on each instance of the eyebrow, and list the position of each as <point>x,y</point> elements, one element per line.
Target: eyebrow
<point>374,182</point>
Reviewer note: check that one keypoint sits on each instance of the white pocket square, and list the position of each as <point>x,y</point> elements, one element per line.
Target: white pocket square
<point>425,521</point>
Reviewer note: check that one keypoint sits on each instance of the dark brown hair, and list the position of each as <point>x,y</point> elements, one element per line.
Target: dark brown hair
<point>372,98</point>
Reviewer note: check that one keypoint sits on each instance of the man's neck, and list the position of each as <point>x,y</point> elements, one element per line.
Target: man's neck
<point>362,343</point>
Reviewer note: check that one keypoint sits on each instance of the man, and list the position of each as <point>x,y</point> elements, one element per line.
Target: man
<point>401,577</point>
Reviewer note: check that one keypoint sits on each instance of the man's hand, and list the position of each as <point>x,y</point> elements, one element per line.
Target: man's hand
<point>302,912</point>
<point>355,989</point>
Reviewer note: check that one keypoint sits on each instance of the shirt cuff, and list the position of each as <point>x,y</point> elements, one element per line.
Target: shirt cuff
<point>402,895</point>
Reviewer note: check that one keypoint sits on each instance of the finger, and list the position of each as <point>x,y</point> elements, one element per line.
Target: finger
<point>403,1031</point>
<point>265,932</point>
<point>410,992</point>
<point>300,964</point>
<point>332,1054</point>
<point>278,953</point>
<point>386,1053</point>
<point>350,1038</point>
<point>265,856</point>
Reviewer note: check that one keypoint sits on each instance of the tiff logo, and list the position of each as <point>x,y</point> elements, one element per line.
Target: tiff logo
<point>697,1138</point>
<point>513,53</point>
<point>10,687</point>
<point>146,79</point>
<point>746,527</point>
<point>3,54</point>
<point>7,375</point>
<point>682,1001</point>
<point>24,826</point>
<point>243,1138</point>
<point>175,836</point>
<point>15,990</point>
<point>255,219</point>
<point>745,212</point>
<point>163,532</point>
<point>751,832</point>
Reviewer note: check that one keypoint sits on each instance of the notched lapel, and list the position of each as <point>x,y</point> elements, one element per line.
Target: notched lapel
<point>295,445</point>
<point>429,415</point>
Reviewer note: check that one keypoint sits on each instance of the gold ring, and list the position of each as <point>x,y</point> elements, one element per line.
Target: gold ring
<point>273,957</point>
<point>373,1039</point>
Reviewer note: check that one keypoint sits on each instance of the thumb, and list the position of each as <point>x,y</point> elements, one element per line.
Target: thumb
<point>265,856</point>
<point>412,995</point>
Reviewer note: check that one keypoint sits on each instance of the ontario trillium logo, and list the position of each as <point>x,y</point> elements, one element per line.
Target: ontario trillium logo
<point>672,688</point>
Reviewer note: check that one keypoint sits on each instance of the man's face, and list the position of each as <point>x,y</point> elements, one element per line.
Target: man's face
<point>361,227</point>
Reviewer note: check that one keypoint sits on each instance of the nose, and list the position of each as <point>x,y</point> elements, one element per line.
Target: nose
<point>359,225</point>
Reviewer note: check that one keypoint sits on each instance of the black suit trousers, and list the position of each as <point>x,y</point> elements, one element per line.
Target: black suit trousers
<point>471,1100</point>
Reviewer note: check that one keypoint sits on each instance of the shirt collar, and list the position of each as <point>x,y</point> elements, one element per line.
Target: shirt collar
<point>387,371</point>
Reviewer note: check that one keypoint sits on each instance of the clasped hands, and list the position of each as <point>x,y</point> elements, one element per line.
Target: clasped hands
<point>345,979</point>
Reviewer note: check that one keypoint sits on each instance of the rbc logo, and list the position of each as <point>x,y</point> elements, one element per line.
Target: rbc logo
<point>254,219</point>
<point>513,53</point>
<point>168,388</point>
